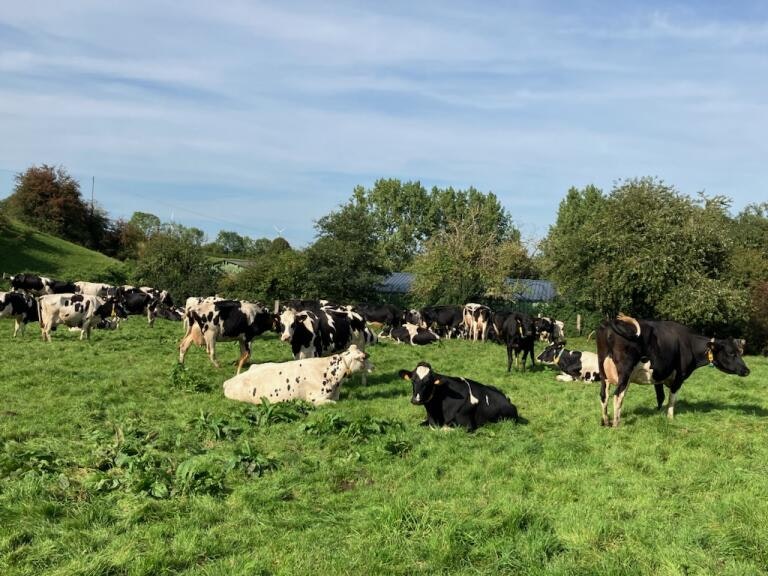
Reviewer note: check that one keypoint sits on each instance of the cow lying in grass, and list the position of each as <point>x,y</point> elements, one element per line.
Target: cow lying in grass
<point>573,364</point>
<point>454,401</point>
<point>317,380</point>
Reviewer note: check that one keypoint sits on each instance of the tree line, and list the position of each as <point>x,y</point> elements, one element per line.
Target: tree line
<point>642,248</point>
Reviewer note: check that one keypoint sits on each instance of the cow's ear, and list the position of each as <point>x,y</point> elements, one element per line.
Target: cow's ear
<point>405,374</point>
<point>437,382</point>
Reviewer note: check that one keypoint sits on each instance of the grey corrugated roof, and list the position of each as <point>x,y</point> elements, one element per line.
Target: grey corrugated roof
<point>525,289</point>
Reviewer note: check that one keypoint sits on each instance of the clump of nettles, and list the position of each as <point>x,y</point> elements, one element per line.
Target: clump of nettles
<point>184,379</point>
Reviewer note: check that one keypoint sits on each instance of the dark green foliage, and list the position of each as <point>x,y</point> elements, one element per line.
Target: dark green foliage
<point>276,274</point>
<point>647,250</point>
<point>188,380</point>
<point>251,461</point>
<point>359,429</point>
<point>268,413</point>
<point>344,264</point>
<point>172,260</point>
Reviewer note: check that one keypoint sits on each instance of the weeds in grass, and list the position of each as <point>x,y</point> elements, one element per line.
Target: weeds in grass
<point>362,428</point>
<point>184,379</point>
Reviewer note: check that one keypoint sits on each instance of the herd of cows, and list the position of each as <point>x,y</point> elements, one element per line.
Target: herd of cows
<point>328,343</point>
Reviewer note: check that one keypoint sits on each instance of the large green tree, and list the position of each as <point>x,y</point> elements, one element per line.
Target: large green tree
<point>467,261</point>
<point>646,249</point>
<point>172,259</point>
<point>344,263</point>
<point>48,198</point>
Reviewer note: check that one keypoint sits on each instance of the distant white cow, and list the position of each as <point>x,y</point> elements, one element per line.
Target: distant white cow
<point>317,380</point>
<point>94,289</point>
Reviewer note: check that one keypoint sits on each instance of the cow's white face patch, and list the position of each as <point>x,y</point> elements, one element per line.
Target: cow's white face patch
<point>422,372</point>
<point>287,319</point>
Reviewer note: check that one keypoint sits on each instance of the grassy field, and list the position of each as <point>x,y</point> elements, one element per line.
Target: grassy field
<point>23,249</point>
<point>115,461</point>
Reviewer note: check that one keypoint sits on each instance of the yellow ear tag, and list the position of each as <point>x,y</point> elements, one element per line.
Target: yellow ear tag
<point>710,357</point>
<point>437,382</point>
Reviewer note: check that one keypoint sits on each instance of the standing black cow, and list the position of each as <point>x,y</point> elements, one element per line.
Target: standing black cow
<point>21,307</point>
<point>519,334</point>
<point>144,300</point>
<point>445,320</point>
<point>388,315</point>
<point>673,352</point>
<point>452,401</point>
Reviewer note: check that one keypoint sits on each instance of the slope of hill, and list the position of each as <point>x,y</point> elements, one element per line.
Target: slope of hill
<point>23,249</point>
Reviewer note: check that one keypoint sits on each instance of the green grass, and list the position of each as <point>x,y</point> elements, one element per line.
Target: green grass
<point>23,249</point>
<point>115,461</point>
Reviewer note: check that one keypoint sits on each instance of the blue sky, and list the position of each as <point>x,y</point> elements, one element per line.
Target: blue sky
<point>258,116</point>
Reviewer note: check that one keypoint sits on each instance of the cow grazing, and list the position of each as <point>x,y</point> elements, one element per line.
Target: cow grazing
<point>75,310</point>
<point>21,307</point>
<point>445,320</point>
<point>672,351</point>
<point>519,333</point>
<point>453,401</point>
<point>573,364</point>
<point>415,335</point>
<point>94,289</point>
<point>388,315</point>
<point>477,321</point>
<point>212,321</point>
<point>317,380</point>
<point>550,330</point>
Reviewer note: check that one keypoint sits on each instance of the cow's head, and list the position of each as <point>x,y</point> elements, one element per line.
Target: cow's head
<point>288,321</point>
<point>356,360</point>
<point>524,326</point>
<point>423,380</point>
<point>551,353</point>
<point>726,355</point>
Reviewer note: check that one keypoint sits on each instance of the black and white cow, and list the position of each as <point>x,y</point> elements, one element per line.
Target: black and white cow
<point>20,306</point>
<point>312,334</point>
<point>477,321</point>
<point>673,352</point>
<point>445,320</point>
<point>573,364</point>
<point>454,401</point>
<point>214,321</point>
<point>31,283</point>
<point>388,315</point>
<point>519,334</point>
<point>76,311</point>
<point>497,323</point>
<point>146,301</point>
<point>550,330</point>
<point>413,334</point>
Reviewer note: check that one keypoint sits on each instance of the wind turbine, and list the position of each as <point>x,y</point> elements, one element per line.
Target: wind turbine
<point>279,231</point>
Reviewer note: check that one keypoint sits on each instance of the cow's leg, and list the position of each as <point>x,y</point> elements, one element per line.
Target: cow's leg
<point>659,395</point>
<point>672,398</point>
<point>245,354</point>
<point>186,342</point>
<point>604,401</point>
<point>150,317</point>
<point>509,358</point>
<point>210,345</point>
<point>17,325</point>
<point>618,399</point>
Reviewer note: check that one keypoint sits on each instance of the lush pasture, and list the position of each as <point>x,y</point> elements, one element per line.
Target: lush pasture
<point>113,461</point>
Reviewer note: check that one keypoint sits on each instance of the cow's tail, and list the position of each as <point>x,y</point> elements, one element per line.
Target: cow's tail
<point>627,327</point>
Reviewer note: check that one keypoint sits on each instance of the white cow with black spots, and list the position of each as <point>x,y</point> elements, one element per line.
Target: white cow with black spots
<point>316,380</point>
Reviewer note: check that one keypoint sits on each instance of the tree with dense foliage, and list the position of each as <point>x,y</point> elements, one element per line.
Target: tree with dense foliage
<point>344,263</point>
<point>468,261</point>
<point>172,259</point>
<point>276,274</point>
<point>147,223</point>
<point>49,199</point>
<point>646,249</point>
<point>405,216</point>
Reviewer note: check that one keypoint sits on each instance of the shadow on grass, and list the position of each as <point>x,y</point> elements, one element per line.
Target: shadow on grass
<point>704,407</point>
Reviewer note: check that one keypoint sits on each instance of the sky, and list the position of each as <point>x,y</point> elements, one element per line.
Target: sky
<point>261,117</point>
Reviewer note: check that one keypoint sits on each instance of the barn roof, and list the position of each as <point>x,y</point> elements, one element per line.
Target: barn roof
<point>525,289</point>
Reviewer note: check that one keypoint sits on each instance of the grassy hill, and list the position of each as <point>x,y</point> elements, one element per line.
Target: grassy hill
<point>23,249</point>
